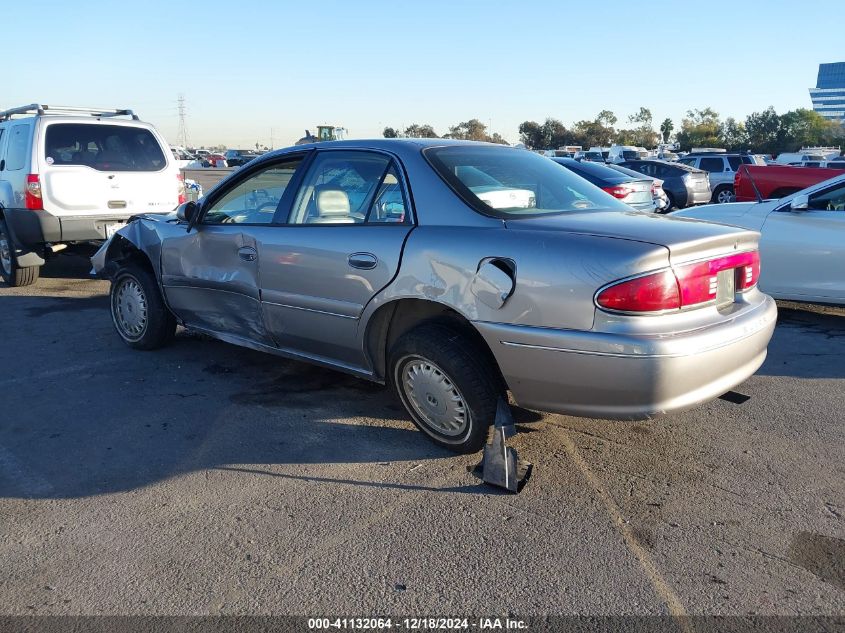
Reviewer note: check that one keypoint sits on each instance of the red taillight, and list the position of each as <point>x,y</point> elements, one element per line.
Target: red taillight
<point>748,272</point>
<point>618,191</point>
<point>655,188</point>
<point>180,187</point>
<point>650,293</point>
<point>680,287</point>
<point>32,196</point>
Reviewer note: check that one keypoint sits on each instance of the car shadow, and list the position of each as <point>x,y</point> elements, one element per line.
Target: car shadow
<point>85,415</point>
<point>809,342</point>
<point>70,264</point>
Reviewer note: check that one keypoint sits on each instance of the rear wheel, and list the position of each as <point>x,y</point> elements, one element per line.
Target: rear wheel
<point>138,311</point>
<point>723,194</point>
<point>446,385</point>
<point>13,274</point>
<point>672,206</point>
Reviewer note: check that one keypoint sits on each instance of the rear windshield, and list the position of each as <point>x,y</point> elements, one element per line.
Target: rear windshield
<point>103,147</point>
<point>629,154</point>
<point>515,183</point>
<point>596,173</point>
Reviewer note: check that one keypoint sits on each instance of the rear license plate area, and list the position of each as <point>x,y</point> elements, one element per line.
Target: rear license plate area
<point>113,228</point>
<point>725,287</point>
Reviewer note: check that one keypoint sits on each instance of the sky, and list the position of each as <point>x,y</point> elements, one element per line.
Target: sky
<point>264,71</point>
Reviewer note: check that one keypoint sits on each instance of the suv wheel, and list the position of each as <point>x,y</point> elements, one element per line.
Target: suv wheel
<point>445,385</point>
<point>13,274</point>
<point>138,311</point>
<point>723,194</point>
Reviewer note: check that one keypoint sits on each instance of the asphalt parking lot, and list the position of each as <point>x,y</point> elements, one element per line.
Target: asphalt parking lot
<point>208,479</point>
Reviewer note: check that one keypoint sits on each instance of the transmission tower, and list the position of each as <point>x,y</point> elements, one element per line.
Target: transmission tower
<point>182,136</point>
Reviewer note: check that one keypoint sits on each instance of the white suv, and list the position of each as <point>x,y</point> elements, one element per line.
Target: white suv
<point>722,168</point>
<point>75,175</point>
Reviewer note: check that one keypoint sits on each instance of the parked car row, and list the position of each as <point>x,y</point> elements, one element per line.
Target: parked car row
<point>639,192</point>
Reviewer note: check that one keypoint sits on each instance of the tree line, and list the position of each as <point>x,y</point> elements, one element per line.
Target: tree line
<point>765,132</point>
<point>472,130</point>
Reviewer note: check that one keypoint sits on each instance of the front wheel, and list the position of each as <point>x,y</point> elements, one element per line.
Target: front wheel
<point>138,311</point>
<point>13,274</point>
<point>446,385</point>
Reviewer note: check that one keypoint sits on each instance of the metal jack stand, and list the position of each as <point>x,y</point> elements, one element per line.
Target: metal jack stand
<point>500,464</point>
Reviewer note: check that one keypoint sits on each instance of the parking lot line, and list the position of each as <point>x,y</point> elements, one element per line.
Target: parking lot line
<point>661,586</point>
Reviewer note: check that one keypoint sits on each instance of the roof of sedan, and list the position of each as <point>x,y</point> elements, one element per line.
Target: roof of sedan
<point>392,144</point>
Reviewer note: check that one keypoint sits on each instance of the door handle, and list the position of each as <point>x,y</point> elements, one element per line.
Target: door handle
<point>364,261</point>
<point>247,253</point>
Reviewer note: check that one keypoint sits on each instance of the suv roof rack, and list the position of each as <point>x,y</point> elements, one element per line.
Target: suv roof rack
<point>39,110</point>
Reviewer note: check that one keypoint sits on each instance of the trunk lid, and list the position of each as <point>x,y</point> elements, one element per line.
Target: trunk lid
<point>686,239</point>
<point>697,180</point>
<point>640,192</point>
<point>94,168</point>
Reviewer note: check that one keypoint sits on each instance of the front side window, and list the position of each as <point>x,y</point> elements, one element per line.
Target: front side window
<point>506,182</point>
<point>256,199</point>
<point>687,161</point>
<point>734,162</point>
<point>18,144</point>
<point>103,147</point>
<point>350,187</point>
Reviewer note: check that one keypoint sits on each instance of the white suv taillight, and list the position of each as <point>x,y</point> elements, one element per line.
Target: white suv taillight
<point>32,196</point>
<point>180,188</point>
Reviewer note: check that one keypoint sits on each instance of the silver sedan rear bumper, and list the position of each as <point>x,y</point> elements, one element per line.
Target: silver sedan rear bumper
<point>628,376</point>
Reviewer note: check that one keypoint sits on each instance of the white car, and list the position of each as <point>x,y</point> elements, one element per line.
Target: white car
<point>70,174</point>
<point>802,248</point>
<point>493,193</point>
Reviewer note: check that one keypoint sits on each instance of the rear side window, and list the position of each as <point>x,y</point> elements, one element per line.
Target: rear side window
<point>18,144</point>
<point>352,187</point>
<point>712,164</point>
<point>103,147</point>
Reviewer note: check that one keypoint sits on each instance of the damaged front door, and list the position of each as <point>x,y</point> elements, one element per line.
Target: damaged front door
<point>210,274</point>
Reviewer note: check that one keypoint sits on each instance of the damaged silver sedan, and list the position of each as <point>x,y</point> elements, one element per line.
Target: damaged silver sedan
<point>454,272</point>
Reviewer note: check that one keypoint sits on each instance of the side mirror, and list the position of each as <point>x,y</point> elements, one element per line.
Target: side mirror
<point>800,203</point>
<point>392,209</point>
<point>187,212</point>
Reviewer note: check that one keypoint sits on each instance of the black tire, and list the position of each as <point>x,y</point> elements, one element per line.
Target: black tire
<point>137,309</point>
<point>723,191</point>
<point>464,373</point>
<point>672,205</point>
<point>13,274</point>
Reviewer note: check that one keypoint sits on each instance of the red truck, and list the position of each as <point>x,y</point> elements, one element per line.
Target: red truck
<point>777,181</point>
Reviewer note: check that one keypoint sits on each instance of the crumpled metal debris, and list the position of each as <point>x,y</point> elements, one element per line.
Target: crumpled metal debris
<point>500,464</point>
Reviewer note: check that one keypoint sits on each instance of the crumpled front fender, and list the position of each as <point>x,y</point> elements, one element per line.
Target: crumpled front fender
<point>143,234</point>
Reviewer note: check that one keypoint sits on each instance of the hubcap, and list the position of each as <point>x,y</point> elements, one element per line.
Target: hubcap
<point>5,254</point>
<point>725,196</point>
<point>130,308</point>
<point>434,397</point>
